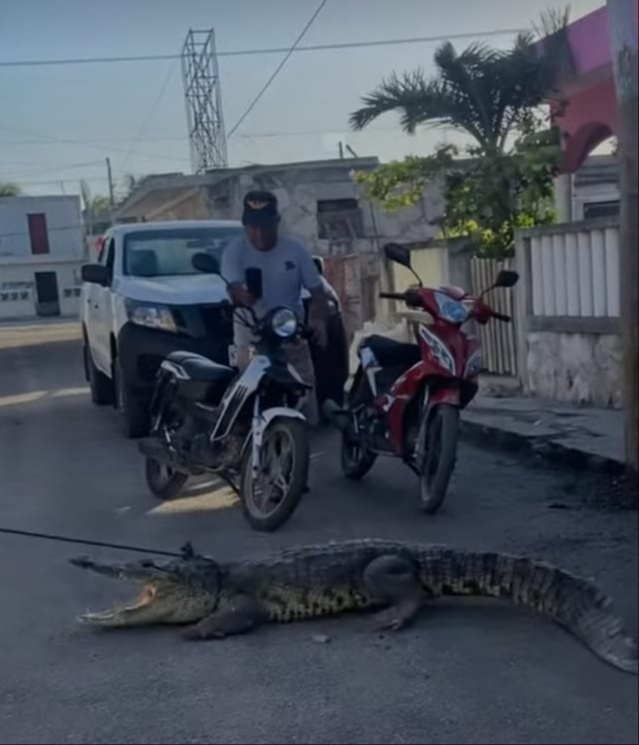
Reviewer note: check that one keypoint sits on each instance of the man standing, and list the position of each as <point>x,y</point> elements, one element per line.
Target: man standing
<point>286,269</point>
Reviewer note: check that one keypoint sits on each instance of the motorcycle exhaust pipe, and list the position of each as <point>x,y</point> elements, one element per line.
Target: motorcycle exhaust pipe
<point>336,416</point>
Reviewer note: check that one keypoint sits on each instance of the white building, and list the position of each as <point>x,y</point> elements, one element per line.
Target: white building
<point>42,249</point>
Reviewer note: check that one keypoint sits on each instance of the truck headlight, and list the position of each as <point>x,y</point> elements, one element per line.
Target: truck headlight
<point>157,317</point>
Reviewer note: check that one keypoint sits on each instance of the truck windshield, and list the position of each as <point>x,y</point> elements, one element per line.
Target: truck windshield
<point>169,253</point>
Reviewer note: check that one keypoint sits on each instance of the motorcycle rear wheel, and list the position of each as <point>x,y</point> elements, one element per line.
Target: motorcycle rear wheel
<point>163,482</point>
<point>356,460</point>
<point>439,458</point>
<point>290,445</point>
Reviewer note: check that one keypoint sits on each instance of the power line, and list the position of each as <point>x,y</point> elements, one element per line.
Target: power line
<point>275,50</point>
<point>53,169</point>
<point>147,119</point>
<point>91,179</point>
<point>92,146</point>
<point>278,69</point>
<point>82,140</point>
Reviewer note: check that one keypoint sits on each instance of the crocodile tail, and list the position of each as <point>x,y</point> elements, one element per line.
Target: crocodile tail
<point>570,601</point>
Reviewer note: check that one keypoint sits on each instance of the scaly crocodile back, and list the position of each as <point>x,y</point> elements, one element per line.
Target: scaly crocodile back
<point>332,574</point>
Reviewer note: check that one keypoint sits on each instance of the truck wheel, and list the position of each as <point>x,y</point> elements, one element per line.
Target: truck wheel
<point>133,412</point>
<point>101,387</point>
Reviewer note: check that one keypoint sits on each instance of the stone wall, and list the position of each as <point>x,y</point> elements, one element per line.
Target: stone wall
<point>575,368</point>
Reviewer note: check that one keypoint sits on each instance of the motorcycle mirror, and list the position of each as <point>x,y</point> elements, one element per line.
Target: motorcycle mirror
<point>398,254</point>
<point>206,263</point>
<point>506,279</point>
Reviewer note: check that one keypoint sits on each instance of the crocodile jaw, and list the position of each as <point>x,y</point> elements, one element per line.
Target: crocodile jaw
<point>142,611</point>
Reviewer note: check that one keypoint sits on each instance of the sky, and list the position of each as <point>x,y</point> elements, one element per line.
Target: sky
<point>58,124</point>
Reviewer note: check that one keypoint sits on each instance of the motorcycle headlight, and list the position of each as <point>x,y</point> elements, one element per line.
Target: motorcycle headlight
<point>157,317</point>
<point>451,310</point>
<point>284,323</point>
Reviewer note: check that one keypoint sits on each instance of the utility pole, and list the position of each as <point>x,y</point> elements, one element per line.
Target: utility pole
<point>111,189</point>
<point>623,45</point>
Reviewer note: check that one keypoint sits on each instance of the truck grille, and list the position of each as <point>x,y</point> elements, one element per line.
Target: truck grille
<point>218,322</point>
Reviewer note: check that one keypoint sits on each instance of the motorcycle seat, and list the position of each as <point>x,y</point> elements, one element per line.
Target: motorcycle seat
<point>390,353</point>
<point>201,368</point>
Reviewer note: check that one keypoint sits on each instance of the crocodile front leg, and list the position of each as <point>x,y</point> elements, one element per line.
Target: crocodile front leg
<point>237,616</point>
<point>392,581</point>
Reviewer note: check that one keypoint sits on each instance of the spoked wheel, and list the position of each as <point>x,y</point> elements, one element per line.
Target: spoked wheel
<point>269,500</point>
<point>163,482</point>
<point>440,457</point>
<point>357,460</point>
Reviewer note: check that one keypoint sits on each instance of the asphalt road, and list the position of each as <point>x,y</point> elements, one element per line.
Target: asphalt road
<point>466,673</point>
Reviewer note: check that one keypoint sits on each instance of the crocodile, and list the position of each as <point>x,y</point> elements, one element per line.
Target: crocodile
<point>398,579</point>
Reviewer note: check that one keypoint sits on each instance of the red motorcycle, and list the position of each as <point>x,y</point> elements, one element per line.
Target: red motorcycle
<point>406,399</point>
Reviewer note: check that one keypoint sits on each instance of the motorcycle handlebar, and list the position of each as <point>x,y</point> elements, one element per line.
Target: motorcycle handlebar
<point>502,317</point>
<point>392,296</point>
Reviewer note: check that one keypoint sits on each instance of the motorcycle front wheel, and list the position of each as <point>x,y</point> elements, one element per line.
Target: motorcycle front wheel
<point>269,500</point>
<point>439,458</point>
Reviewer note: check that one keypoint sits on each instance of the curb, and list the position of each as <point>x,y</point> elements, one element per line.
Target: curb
<point>538,447</point>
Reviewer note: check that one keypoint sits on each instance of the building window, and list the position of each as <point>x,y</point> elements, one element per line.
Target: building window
<point>339,219</point>
<point>594,210</point>
<point>38,233</point>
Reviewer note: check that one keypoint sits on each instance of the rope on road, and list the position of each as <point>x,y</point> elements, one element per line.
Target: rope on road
<point>95,544</point>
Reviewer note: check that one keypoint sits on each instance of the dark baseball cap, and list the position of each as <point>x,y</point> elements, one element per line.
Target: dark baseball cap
<point>260,209</point>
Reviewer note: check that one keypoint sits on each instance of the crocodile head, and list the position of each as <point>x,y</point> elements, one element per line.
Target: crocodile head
<point>173,592</point>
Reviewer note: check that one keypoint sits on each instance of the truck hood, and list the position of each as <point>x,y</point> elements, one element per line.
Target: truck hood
<point>196,289</point>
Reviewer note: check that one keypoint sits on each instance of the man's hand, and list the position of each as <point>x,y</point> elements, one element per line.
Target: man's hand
<point>241,296</point>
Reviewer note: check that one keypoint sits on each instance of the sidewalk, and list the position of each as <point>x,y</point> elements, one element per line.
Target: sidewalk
<point>568,434</point>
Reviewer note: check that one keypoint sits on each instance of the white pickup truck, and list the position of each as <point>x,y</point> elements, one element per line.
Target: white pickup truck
<point>143,299</point>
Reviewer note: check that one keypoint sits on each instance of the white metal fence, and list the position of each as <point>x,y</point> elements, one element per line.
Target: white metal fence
<point>498,340</point>
<point>574,271</point>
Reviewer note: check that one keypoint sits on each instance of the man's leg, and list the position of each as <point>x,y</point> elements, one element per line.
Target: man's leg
<point>299,356</point>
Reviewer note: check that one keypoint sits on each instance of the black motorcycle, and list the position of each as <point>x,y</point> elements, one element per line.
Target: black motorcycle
<point>246,428</point>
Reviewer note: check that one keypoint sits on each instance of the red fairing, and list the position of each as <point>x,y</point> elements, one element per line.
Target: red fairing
<point>402,393</point>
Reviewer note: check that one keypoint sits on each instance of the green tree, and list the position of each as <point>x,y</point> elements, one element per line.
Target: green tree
<point>493,96</point>
<point>9,190</point>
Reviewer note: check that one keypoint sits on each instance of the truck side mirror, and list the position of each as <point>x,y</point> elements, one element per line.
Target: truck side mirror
<point>95,274</point>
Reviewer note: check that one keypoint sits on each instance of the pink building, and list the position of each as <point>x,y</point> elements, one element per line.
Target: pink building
<point>592,115</point>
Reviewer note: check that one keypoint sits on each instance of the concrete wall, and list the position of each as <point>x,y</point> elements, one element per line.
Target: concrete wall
<point>64,223</point>
<point>18,289</point>
<point>575,368</point>
<point>567,307</point>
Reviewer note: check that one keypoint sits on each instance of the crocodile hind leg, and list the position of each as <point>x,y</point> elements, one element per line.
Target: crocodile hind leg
<point>392,581</point>
<point>237,616</point>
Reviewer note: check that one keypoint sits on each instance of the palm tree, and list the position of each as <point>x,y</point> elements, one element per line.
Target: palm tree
<point>484,92</point>
<point>9,190</point>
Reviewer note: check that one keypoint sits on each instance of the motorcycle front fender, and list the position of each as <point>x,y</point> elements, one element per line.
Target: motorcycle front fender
<point>450,395</point>
<point>261,422</point>
<point>280,412</point>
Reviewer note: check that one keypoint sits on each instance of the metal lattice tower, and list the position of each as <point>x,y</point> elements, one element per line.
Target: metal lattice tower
<point>203,98</point>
